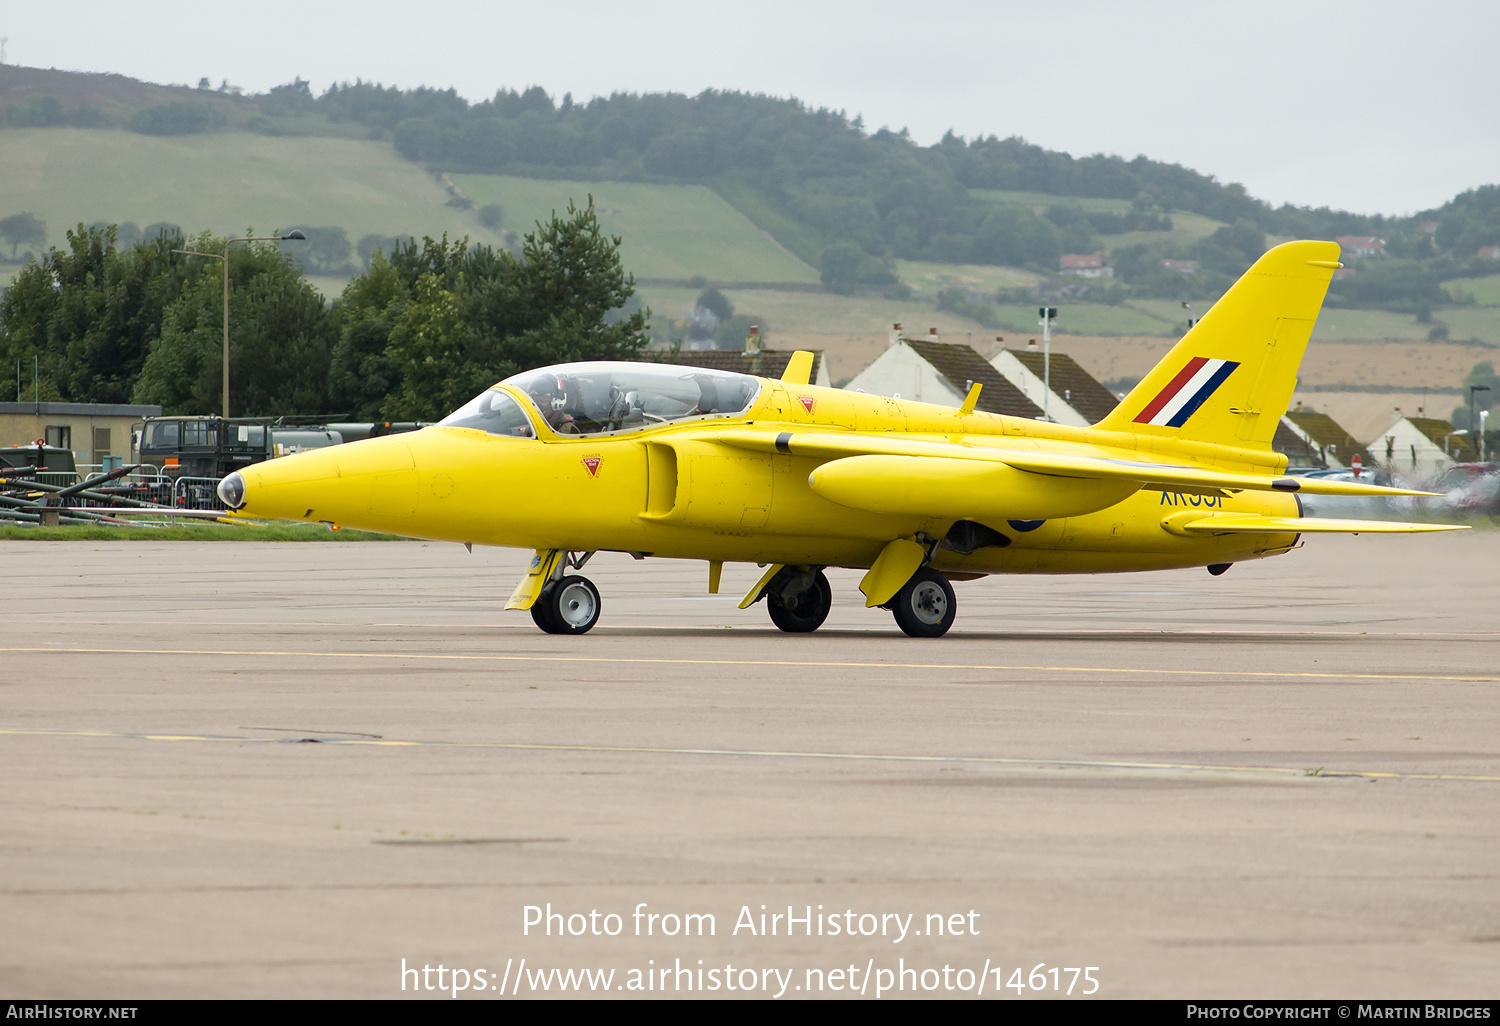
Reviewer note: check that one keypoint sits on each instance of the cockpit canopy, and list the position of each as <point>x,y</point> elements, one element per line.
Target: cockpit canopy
<point>600,398</point>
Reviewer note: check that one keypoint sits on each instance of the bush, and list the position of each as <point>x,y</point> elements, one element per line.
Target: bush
<point>182,117</point>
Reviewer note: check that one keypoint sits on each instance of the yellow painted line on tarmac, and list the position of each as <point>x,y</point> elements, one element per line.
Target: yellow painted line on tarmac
<point>977,760</point>
<point>1220,671</point>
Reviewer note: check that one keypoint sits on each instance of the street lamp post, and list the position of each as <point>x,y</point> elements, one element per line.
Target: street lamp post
<point>291,236</point>
<point>1473,421</point>
<point>1048,314</point>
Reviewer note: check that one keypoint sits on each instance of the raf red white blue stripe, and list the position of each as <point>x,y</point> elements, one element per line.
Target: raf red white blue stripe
<point>1186,392</point>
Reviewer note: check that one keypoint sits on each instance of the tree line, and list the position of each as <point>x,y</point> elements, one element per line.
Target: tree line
<point>417,334</point>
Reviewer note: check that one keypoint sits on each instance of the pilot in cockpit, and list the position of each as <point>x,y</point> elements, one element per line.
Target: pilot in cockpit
<point>550,394</point>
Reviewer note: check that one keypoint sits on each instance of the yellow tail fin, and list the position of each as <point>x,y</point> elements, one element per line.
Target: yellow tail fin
<point>1231,376</point>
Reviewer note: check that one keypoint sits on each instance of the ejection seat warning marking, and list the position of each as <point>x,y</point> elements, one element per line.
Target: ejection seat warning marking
<point>807,401</point>
<point>1217,673</point>
<point>973,760</point>
<point>591,463</point>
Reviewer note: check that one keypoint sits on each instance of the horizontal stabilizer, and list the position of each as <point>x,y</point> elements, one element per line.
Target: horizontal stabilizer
<point>1254,523</point>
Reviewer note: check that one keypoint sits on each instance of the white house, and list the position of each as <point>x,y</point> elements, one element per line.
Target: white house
<point>1420,448</point>
<point>1085,265</point>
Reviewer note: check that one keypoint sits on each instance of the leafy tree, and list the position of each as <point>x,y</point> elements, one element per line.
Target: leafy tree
<point>293,98</point>
<point>1483,373</point>
<point>368,244</point>
<point>361,372</point>
<point>839,268</point>
<point>553,303</point>
<point>716,303</point>
<point>36,111</point>
<point>426,347</point>
<point>426,328</point>
<point>279,342</point>
<point>23,228</point>
<point>90,311</point>
<point>326,251</point>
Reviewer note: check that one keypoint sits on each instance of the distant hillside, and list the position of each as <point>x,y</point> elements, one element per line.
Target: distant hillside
<point>846,201</point>
<point>728,187</point>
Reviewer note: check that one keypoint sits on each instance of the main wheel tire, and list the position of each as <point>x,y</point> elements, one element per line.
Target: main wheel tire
<point>570,606</point>
<point>801,611</point>
<point>925,605</point>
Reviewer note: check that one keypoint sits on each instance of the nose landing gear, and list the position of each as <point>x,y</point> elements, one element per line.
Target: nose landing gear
<point>568,605</point>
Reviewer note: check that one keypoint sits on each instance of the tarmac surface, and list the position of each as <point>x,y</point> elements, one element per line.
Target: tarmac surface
<point>278,770</point>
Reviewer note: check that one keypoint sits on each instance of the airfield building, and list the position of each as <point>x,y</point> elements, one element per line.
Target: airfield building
<point>91,431</point>
<point>1420,448</point>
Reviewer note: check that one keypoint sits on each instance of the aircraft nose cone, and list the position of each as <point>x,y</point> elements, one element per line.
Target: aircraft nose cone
<point>232,491</point>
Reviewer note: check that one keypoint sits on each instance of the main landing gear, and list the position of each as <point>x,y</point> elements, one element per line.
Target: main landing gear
<point>799,599</point>
<point>925,606</point>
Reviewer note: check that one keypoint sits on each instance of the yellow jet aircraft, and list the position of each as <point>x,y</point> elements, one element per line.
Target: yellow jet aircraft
<point>686,463</point>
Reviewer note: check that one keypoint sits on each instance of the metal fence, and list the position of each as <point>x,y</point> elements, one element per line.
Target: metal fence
<point>196,493</point>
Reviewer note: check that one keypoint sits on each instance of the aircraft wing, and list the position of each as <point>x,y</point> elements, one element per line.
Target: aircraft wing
<point>1099,466</point>
<point>1253,523</point>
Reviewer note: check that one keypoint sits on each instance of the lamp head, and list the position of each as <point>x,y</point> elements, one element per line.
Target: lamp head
<point>294,235</point>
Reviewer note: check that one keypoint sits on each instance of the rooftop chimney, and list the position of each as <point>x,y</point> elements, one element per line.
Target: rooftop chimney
<point>932,335</point>
<point>752,340</point>
<point>895,333</point>
<point>1031,344</point>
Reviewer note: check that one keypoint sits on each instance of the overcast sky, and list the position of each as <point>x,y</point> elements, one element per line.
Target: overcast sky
<point>1372,106</point>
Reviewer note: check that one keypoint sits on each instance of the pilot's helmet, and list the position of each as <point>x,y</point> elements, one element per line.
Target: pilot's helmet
<point>550,393</point>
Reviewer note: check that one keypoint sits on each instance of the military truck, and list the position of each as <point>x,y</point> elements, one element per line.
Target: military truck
<point>215,447</point>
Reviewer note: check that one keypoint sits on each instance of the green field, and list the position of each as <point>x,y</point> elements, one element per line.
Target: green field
<point>222,181</point>
<point>933,278</point>
<point>1486,291</point>
<point>1465,322</point>
<point>820,312</point>
<point>1186,230</point>
<point>669,231</point>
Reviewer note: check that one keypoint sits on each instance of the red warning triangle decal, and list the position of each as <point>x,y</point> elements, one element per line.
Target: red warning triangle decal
<point>592,464</point>
<point>806,401</point>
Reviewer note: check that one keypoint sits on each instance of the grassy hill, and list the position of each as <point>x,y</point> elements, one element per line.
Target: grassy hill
<point>223,181</point>
<point>669,231</point>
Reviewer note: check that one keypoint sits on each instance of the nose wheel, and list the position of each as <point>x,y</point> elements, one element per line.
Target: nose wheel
<point>568,605</point>
<point>925,605</point>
